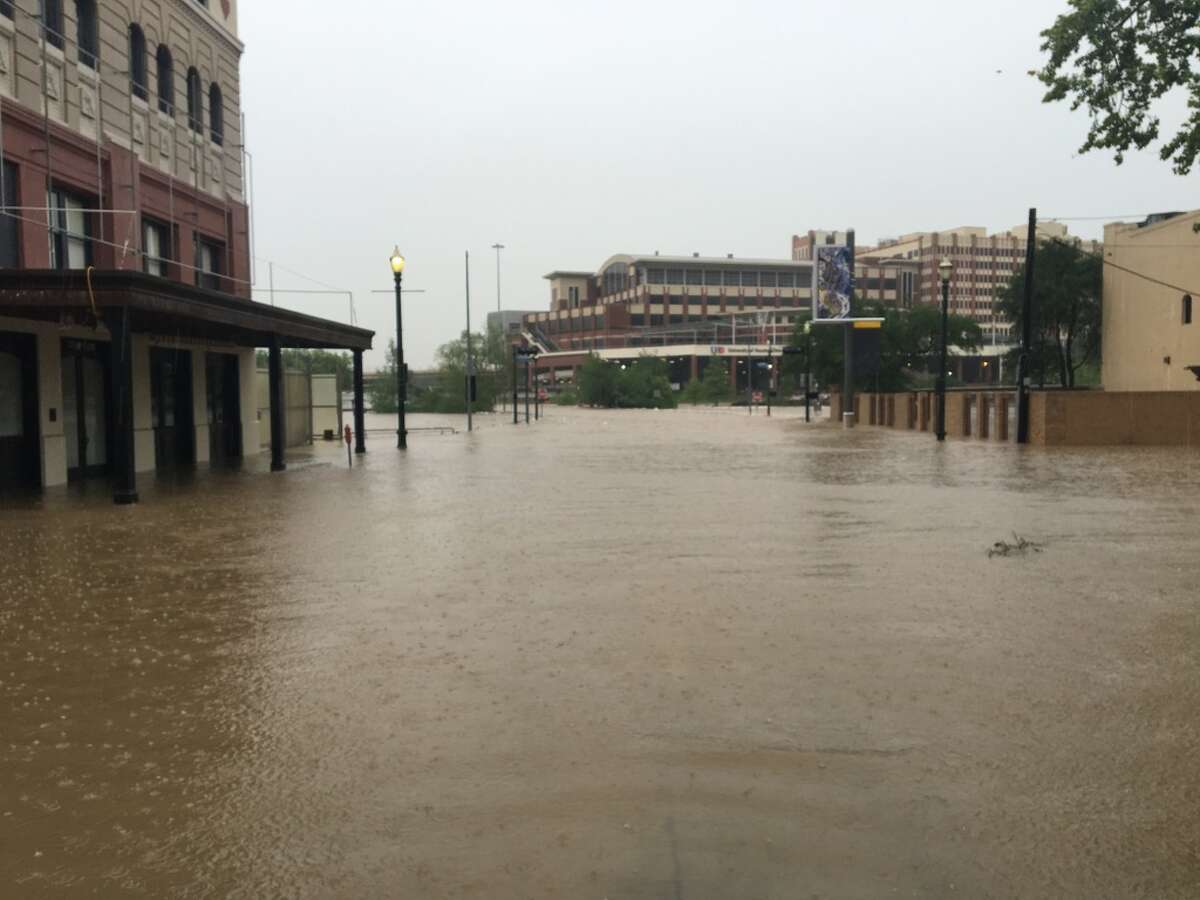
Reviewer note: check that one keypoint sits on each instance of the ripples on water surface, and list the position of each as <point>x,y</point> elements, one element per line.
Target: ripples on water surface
<point>615,654</point>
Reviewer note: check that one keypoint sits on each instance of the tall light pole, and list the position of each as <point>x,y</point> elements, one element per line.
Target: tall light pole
<point>497,247</point>
<point>470,361</point>
<point>397,261</point>
<point>944,269</point>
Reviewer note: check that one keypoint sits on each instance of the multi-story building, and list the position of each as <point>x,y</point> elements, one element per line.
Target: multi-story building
<point>904,271</point>
<point>1151,316</point>
<point>687,309</point>
<point>126,322</point>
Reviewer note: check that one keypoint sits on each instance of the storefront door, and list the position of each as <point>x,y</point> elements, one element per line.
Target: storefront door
<point>85,386</point>
<point>20,465</point>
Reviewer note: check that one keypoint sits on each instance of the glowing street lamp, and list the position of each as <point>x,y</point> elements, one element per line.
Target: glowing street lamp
<point>397,262</point>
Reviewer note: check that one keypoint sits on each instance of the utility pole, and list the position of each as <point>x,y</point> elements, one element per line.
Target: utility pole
<point>497,247</point>
<point>1023,360</point>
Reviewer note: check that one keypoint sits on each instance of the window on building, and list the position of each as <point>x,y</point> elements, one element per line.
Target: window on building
<point>655,276</point>
<point>749,279</point>
<point>712,278</point>
<point>674,276</point>
<point>573,297</point>
<point>70,231</point>
<point>1187,309</point>
<point>208,264</point>
<point>137,61</point>
<point>52,22</point>
<point>767,279</point>
<point>10,232</point>
<point>216,114</point>
<point>156,248</point>
<point>6,8</point>
<point>195,114</point>
<point>166,80</point>
<point>695,276</point>
<point>637,320</point>
<point>87,32</point>
<point>787,279</point>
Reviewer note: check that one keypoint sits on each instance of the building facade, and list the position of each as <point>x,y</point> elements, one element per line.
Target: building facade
<point>127,329</point>
<point>686,309</point>
<point>1151,317</point>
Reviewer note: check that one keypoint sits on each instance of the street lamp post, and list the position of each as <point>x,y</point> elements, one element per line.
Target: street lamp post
<point>397,261</point>
<point>944,269</point>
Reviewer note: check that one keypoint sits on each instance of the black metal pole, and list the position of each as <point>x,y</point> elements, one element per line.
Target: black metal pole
<point>401,371</point>
<point>808,374</point>
<point>360,430</point>
<point>941,376</point>
<point>278,401</point>
<point>770,377</point>
<point>121,375</point>
<point>527,390</point>
<point>514,355</point>
<point>1026,334</point>
<point>848,342</point>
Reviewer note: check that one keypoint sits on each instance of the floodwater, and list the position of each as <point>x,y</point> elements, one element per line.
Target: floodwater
<point>636,654</point>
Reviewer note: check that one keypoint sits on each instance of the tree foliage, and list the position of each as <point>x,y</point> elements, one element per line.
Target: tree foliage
<point>1067,284</point>
<point>448,394</point>
<point>1117,58</point>
<point>910,341</point>
<point>314,362</point>
<point>642,383</point>
<point>381,390</point>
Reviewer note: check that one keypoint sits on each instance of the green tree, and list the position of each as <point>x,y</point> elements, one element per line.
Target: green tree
<point>1118,58</point>
<point>1067,286</point>
<point>314,362</point>
<point>714,385</point>
<point>909,342</point>
<point>645,383</point>
<point>598,382</point>
<point>449,392</point>
<point>381,390</point>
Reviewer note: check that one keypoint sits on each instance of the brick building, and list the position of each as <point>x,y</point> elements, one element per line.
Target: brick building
<point>126,322</point>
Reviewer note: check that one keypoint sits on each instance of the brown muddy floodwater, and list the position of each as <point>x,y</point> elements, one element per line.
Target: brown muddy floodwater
<point>631,654</point>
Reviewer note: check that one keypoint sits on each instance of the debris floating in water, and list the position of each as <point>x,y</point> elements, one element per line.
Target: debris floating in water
<point>1019,547</point>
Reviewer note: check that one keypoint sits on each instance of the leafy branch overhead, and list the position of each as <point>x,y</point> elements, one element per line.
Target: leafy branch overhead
<point>1118,58</point>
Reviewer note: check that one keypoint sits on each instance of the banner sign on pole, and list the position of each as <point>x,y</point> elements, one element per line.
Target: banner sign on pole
<point>833,282</point>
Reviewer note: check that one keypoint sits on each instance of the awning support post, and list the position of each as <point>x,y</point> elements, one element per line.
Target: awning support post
<point>275,375</point>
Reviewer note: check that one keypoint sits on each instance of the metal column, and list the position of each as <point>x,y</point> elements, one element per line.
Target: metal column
<point>124,479</point>
<point>275,378</point>
<point>360,432</point>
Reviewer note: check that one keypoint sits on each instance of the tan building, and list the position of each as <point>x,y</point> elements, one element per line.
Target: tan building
<point>1151,336</point>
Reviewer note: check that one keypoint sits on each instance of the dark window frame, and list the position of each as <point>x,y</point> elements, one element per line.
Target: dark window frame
<point>165,71</point>
<point>52,23</point>
<point>1187,309</point>
<point>166,247</point>
<point>87,33</point>
<point>195,101</point>
<point>137,62</point>
<point>61,237</point>
<point>208,278</point>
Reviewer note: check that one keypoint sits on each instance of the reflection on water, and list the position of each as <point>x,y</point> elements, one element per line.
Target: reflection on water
<point>625,654</point>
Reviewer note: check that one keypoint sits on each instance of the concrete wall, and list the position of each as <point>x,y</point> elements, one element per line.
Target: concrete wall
<point>1147,346</point>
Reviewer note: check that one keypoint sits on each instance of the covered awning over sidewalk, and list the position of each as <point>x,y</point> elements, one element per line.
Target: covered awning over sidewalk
<point>161,306</point>
<point>125,303</point>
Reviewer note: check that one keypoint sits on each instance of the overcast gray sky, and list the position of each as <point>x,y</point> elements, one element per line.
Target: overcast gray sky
<point>572,131</point>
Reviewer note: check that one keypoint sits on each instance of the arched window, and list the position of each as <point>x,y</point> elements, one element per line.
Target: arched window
<point>216,114</point>
<point>195,114</point>
<point>1187,309</point>
<point>52,22</point>
<point>137,61</point>
<point>87,32</point>
<point>166,81</point>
